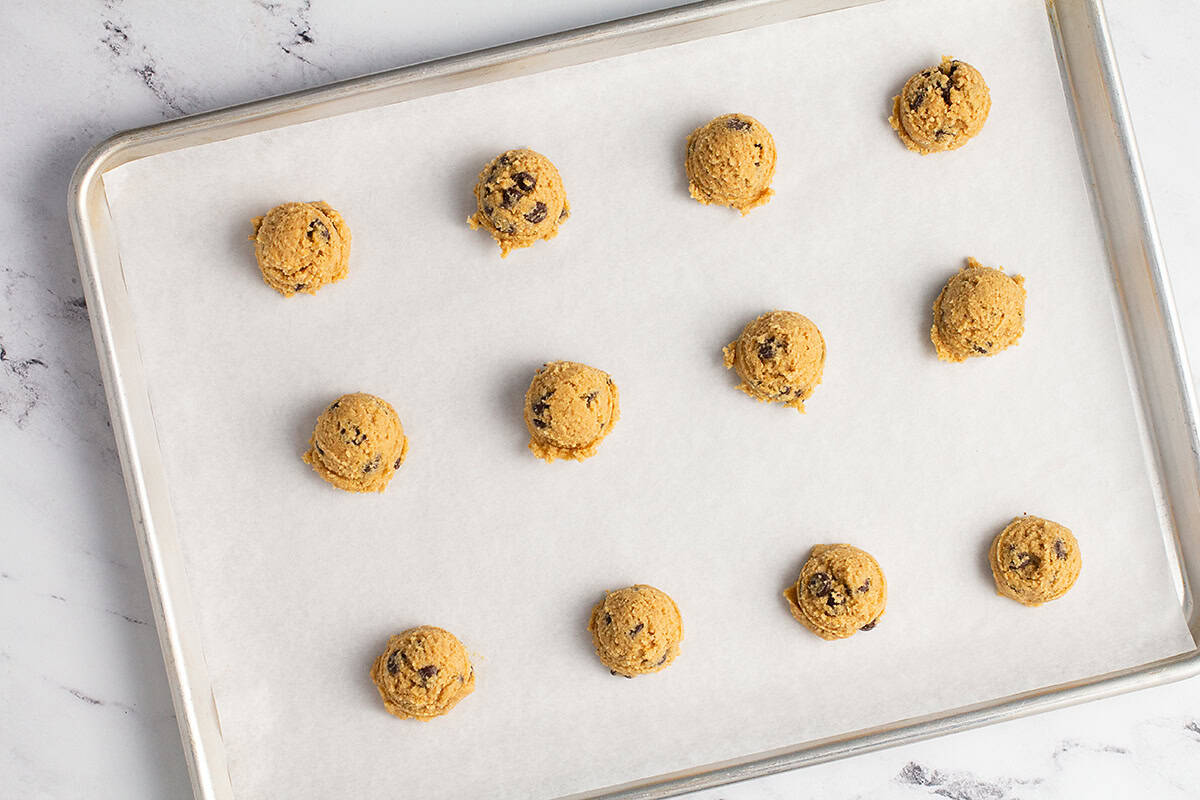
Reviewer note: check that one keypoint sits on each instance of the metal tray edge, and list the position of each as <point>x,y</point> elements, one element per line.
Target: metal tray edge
<point>205,763</point>
<point>1183,483</point>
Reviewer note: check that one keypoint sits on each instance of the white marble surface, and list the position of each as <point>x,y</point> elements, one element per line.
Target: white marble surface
<point>84,708</point>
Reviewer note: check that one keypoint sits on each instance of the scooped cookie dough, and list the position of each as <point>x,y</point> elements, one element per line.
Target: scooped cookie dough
<point>979,312</point>
<point>779,357</point>
<point>841,591</point>
<point>423,673</point>
<point>941,108</point>
<point>300,247</point>
<point>730,162</point>
<point>520,199</point>
<point>569,409</point>
<point>636,630</point>
<point>358,443</point>
<point>1034,560</point>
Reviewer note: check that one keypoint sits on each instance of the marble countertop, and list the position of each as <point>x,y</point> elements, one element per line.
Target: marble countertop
<point>84,699</point>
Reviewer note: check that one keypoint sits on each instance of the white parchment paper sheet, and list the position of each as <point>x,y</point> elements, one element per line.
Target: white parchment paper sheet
<point>699,490</point>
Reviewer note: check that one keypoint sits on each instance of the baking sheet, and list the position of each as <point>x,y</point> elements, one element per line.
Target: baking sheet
<point>699,490</point>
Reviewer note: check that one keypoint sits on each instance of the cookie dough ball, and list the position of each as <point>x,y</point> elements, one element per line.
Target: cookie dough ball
<point>569,409</point>
<point>520,199</point>
<point>300,247</point>
<point>1034,560</point>
<point>841,591</point>
<point>941,108</point>
<point>779,357</point>
<point>730,162</point>
<point>358,443</point>
<point>636,630</point>
<point>423,673</point>
<point>979,312</point>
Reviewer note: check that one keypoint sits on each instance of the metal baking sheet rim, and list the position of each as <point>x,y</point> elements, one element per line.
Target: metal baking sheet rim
<point>1122,202</point>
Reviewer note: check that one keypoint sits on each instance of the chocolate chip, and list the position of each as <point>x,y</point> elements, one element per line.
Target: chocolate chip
<point>589,397</point>
<point>979,349</point>
<point>524,181</point>
<point>1023,560</point>
<point>608,619</point>
<point>866,585</point>
<point>766,349</point>
<point>819,584</point>
<point>335,404</point>
<point>537,423</point>
<point>917,99</point>
<point>392,666</point>
<point>317,228</point>
<point>662,660</point>
<point>637,629</point>
<point>737,124</point>
<point>562,215</point>
<point>835,600</point>
<point>427,672</point>
<point>940,134</point>
<point>510,196</point>
<point>319,450</point>
<point>614,672</point>
<point>1060,548</point>
<point>399,461</point>
<point>870,625</point>
<point>946,92</point>
<point>359,436</point>
<point>504,160</point>
<point>301,287</point>
<point>538,214</point>
<point>488,209</point>
<point>541,406</point>
<point>373,464</point>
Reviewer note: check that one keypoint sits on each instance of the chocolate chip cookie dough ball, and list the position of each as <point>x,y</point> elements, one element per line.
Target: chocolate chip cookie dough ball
<point>841,591</point>
<point>300,247</point>
<point>569,409</point>
<point>730,162</point>
<point>636,630</point>
<point>941,108</point>
<point>779,357</point>
<point>358,443</point>
<point>979,312</point>
<point>520,199</point>
<point>1034,560</point>
<point>423,673</point>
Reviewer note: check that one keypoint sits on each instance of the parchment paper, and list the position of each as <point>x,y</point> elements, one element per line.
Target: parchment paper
<point>699,490</point>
